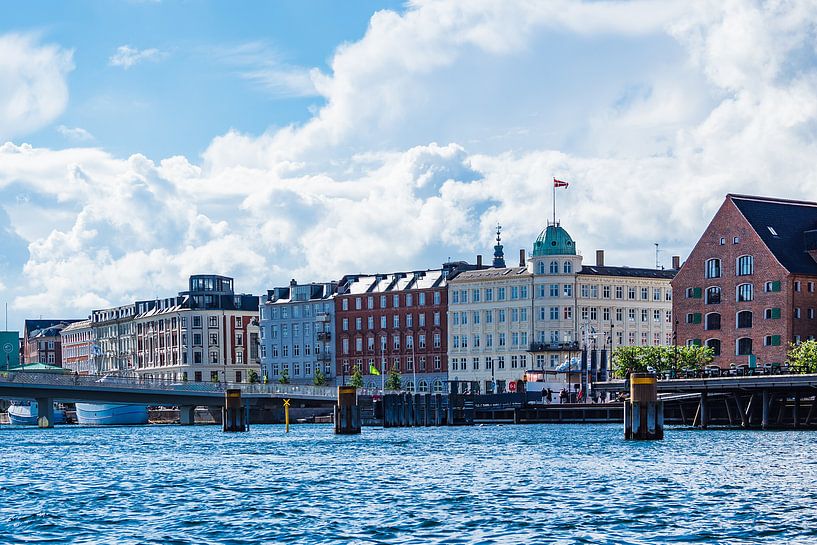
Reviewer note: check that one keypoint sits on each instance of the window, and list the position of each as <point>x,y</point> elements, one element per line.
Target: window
<point>772,286</point>
<point>554,290</point>
<point>694,318</point>
<point>631,293</point>
<point>500,294</point>
<point>715,345</point>
<point>797,285</point>
<point>722,241</point>
<point>568,290</point>
<point>744,319</point>
<point>437,298</point>
<point>475,295</point>
<point>744,347</point>
<point>797,313</point>
<point>619,292</point>
<point>382,301</point>
<point>744,293</point>
<point>745,265</point>
<point>396,301</point>
<point>554,267</point>
<point>735,240</point>
<point>540,268</point>
<point>712,268</point>
<point>645,294</point>
<point>605,292</point>
<point>489,294</point>
<point>713,295</point>
<point>712,322</point>
<point>568,267</point>
<point>344,304</point>
<point>212,321</point>
<point>554,313</point>
<point>772,314</point>
<point>771,340</point>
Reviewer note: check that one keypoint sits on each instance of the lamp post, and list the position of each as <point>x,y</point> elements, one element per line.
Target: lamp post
<point>675,348</point>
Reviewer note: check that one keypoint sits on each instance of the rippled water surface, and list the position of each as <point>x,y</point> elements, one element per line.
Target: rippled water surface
<point>494,484</point>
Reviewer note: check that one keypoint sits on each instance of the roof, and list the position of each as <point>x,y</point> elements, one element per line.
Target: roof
<point>790,220</point>
<point>492,274</point>
<point>393,282</point>
<point>40,368</point>
<point>82,324</point>
<point>593,270</point>
<point>554,240</point>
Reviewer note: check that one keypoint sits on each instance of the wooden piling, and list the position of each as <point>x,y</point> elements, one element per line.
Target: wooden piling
<point>235,415</point>
<point>347,411</point>
<point>643,412</point>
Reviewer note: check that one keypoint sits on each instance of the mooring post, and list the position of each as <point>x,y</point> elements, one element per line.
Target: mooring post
<point>796,410</point>
<point>765,422</point>
<point>347,411</point>
<point>644,413</point>
<point>234,415</point>
<point>704,411</point>
<point>45,412</point>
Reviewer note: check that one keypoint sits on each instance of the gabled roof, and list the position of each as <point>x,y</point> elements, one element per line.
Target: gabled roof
<point>627,271</point>
<point>788,221</point>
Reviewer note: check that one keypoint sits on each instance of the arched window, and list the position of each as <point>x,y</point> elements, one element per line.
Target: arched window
<point>713,321</point>
<point>744,347</point>
<point>745,265</point>
<point>423,386</point>
<point>713,295</point>
<point>554,267</point>
<point>409,386</point>
<point>540,267</point>
<point>438,386</point>
<point>715,345</point>
<point>744,293</point>
<point>713,268</point>
<point>568,267</point>
<point>744,319</point>
<point>372,385</point>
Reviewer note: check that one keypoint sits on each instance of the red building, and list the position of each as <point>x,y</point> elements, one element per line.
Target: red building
<point>395,321</point>
<point>42,343</point>
<point>748,287</point>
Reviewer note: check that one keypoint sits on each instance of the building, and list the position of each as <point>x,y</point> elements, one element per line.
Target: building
<point>42,341</point>
<point>10,345</point>
<point>395,321</point>
<point>78,342</point>
<point>207,333</point>
<point>115,339</point>
<point>747,289</point>
<point>545,310</point>
<point>298,331</point>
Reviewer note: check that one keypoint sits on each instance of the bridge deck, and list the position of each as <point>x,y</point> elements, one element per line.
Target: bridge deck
<point>723,384</point>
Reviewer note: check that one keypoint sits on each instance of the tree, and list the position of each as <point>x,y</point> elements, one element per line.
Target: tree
<point>320,378</point>
<point>284,378</point>
<point>393,380</point>
<point>659,358</point>
<point>253,376</point>
<point>804,356</point>
<point>357,378</point>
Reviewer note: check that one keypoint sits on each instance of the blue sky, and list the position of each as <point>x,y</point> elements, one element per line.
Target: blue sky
<point>141,142</point>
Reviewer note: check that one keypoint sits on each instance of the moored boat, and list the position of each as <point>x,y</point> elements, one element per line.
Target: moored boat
<point>24,413</point>
<point>111,414</point>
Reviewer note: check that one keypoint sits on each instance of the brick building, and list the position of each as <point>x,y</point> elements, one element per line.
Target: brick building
<point>395,321</point>
<point>42,343</point>
<point>748,287</point>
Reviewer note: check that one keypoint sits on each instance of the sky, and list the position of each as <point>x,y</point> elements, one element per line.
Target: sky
<point>144,141</point>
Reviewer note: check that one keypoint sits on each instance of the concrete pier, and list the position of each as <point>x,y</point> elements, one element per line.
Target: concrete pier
<point>347,411</point>
<point>643,412</point>
<point>187,415</point>
<point>45,412</point>
<point>235,415</point>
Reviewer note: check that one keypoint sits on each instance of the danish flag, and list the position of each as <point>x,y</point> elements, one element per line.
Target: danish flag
<point>559,183</point>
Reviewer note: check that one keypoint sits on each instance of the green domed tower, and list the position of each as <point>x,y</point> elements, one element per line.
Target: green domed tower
<point>554,240</point>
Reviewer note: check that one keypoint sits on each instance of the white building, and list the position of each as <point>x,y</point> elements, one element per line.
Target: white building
<point>505,320</point>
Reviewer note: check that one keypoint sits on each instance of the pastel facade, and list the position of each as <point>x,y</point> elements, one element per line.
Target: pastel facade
<point>78,347</point>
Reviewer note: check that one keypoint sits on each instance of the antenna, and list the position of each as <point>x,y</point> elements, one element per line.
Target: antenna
<point>657,257</point>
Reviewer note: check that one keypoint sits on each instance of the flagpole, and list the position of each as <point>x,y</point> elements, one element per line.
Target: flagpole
<point>554,200</point>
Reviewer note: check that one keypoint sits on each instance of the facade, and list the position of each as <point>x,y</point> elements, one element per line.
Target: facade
<point>545,310</point>
<point>78,341</point>
<point>298,331</point>
<point>395,321</point>
<point>42,341</point>
<point>747,289</point>
<point>10,354</point>
<point>114,337</point>
<point>205,334</point>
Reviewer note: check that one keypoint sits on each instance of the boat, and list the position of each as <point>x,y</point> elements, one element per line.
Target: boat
<point>111,414</point>
<point>24,413</point>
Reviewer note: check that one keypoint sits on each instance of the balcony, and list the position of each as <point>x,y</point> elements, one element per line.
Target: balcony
<point>324,356</point>
<point>554,347</point>
<point>322,317</point>
<point>324,336</point>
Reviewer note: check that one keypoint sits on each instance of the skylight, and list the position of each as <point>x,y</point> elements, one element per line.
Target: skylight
<point>771,230</point>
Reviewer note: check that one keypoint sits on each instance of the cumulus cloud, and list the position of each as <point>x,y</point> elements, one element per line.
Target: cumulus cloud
<point>33,89</point>
<point>438,124</point>
<point>76,134</point>
<point>127,56</point>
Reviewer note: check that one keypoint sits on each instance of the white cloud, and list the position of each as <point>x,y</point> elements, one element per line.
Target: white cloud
<point>400,168</point>
<point>260,64</point>
<point>127,56</point>
<point>75,134</point>
<point>33,90</point>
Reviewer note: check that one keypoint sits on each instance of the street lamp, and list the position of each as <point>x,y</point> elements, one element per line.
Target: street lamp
<point>675,348</point>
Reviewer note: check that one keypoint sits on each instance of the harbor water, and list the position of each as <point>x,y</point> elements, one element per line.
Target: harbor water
<point>492,484</point>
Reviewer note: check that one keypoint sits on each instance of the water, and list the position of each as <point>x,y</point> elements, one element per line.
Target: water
<point>494,484</point>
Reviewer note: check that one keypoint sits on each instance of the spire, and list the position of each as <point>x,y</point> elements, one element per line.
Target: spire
<point>499,257</point>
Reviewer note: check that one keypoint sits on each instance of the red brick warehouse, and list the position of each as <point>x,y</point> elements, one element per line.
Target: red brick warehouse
<point>748,286</point>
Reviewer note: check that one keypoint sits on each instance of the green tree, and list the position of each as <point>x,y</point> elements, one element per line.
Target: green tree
<point>804,356</point>
<point>284,378</point>
<point>660,358</point>
<point>357,378</point>
<point>320,378</point>
<point>253,376</point>
<point>393,380</point>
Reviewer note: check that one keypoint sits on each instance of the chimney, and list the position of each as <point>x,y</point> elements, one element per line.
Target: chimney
<point>676,262</point>
<point>599,258</point>
<point>479,261</point>
<point>522,262</point>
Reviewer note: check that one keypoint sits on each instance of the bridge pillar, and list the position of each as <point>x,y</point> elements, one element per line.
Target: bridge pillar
<point>704,411</point>
<point>347,411</point>
<point>643,412</point>
<point>235,414</point>
<point>766,399</point>
<point>45,412</point>
<point>187,415</point>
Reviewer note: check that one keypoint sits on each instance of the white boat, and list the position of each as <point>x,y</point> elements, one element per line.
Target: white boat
<point>24,413</point>
<point>111,414</point>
